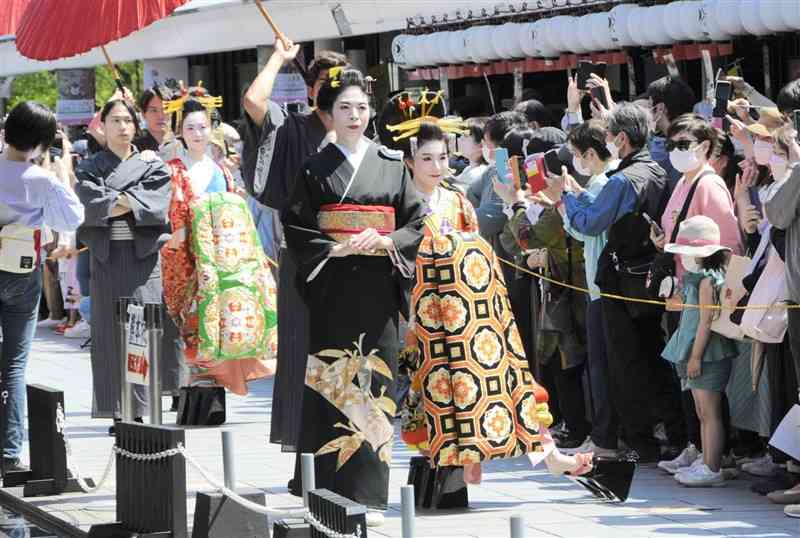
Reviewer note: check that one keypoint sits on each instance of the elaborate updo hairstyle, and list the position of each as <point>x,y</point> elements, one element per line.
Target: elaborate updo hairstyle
<point>404,106</point>
<point>338,81</point>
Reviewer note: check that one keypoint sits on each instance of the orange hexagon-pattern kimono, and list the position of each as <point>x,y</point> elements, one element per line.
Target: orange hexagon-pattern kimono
<point>479,396</point>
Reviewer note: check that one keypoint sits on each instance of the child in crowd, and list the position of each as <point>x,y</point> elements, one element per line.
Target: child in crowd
<point>702,358</point>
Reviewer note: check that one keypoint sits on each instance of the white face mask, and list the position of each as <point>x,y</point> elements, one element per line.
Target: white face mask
<point>576,162</point>
<point>762,151</point>
<point>685,160</point>
<point>690,263</point>
<point>613,150</point>
<point>488,155</point>
<point>779,166</point>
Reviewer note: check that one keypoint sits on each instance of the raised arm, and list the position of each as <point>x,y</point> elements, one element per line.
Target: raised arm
<point>259,92</point>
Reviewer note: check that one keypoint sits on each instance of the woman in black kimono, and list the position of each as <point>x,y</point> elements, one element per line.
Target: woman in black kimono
<point>126,197</point>
<point>354,227</point>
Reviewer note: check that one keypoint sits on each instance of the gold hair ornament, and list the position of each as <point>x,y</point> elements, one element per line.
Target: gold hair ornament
<point>175,106</point>
<point>410,127</point>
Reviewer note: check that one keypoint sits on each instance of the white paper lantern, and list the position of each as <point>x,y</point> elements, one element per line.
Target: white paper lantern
<point>570,35</point>
<point>673,21</point>
<point>583,33</point>
<point>436,52</point>
<point>601,28</point>
<point>470,36</point>
<point>709,22</point>
<point>456,51</point>
<point>399,44</point>
<point>534,40</point>
<point>484,44</point>
<point>618,26</point>
<point>512,37</point>
<point>558,30</point>
<point>412,47</point>
<point>772,16</point>
<point>750,13</point>
<point>690,19</point>
<point>656,26</point>
<point>636,27</point>
<point>728,17</point>
<point>790,11</point>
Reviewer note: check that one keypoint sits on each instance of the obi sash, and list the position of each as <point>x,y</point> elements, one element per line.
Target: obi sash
<point>343,221</point>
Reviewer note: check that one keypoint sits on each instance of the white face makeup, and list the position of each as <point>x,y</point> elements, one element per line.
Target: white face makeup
<point>196,131</point>
<point>350,115</point>
<point>431,164</point>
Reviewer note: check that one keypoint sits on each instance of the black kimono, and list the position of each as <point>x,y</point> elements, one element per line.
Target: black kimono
<point>124,261</point>
<point>354,301</point>
<point>271,158</point>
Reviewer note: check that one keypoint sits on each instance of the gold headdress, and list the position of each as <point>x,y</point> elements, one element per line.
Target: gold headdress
<point>199,94</point>
<point>333,76</point>
<point>411,125</point>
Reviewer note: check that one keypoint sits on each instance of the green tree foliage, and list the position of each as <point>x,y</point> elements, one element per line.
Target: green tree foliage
<point>42,86</point>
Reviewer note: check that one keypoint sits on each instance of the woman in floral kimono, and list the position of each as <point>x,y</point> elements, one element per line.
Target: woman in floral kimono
<point>479,400</point>
<point>354,227</point>
<point>217,284</point>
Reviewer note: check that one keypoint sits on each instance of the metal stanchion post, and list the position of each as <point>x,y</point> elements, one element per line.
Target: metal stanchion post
<point>229,468</point>
<point>517,527</point>
<point>309,478</point>
<point>407,507</point>
<point>126,393</point>
<point>155,331</point>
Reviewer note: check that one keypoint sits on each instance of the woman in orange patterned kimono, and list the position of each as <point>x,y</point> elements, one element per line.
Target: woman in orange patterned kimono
<point>472,395</point>
<point>198,184</point>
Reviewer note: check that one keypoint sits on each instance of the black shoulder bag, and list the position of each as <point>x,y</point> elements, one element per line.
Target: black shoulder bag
<point>663,266</point>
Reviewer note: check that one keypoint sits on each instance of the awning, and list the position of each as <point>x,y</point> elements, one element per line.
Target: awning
<point>206,26</point>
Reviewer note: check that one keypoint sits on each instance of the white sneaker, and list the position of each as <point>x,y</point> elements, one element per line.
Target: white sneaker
<point>700,476</point>
<point>45,323</point>
<point>79,330</point>
<point>375,518</point>
<point>684,459</point>
<point>761,467</point>
<point>695,463</point>
<point>589,446</point>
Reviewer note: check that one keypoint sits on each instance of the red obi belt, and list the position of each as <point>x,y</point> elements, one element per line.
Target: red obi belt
<point>343,221</point>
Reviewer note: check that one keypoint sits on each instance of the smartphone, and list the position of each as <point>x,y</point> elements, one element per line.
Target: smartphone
<point>552,163</point>
<point>796,118</point>
<point>584,70</point>
<point>598,93</point>
<point>723,91</point>
<point>501,164</point>
<point>722,95</point>
<point>653,224</point>
<point>599,69</point>
<point>534,172</point>
<point>755,199</point>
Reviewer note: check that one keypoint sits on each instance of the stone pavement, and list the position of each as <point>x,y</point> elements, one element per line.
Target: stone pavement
<point>658,506</point>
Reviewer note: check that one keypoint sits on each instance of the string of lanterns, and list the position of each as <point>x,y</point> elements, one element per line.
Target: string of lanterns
<point>625,25</point>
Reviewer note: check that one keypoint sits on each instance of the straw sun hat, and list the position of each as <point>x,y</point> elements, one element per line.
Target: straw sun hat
<point>698,237</point>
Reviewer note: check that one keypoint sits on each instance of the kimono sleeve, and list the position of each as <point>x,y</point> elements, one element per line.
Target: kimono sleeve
<point>96,197</point>
<point>410,212</point>
<point>310,246</point>
<point>149,198</point>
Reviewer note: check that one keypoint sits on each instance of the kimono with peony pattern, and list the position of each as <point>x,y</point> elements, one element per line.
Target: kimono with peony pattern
<point>217,285</point>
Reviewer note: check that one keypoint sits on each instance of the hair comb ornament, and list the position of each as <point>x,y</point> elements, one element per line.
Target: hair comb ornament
<point>197,93</point>
<point>411,124</point>
<point>333,76</point>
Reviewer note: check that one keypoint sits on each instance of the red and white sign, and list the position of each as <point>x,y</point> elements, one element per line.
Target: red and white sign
<point>136,347</point>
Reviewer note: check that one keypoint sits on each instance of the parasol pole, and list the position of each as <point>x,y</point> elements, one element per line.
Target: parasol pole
<point>278,34</point>
<point>114,71</point>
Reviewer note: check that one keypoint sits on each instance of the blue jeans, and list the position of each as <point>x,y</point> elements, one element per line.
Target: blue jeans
<point>19,310</point>
<point>85,309</point>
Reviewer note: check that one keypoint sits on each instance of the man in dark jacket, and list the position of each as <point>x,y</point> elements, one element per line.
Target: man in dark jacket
<point>643,387</point>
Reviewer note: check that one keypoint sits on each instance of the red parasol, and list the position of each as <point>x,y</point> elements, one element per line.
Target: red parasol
<point>10,15</point>
<point>55,29</point>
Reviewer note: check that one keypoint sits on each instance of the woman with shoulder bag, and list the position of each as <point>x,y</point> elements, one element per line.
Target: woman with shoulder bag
<point>691,141</point>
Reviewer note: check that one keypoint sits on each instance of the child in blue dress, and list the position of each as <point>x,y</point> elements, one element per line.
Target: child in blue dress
<point>702,358</point>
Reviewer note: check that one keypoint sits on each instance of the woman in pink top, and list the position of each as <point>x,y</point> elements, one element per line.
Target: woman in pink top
<point>691,141</point>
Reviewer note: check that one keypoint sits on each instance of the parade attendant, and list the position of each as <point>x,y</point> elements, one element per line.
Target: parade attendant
<point>702,357</point>
<point>217,283</point>
<point>156,127</point>
<point>126,196</point>
<point>276,144</point>
<point>354,226</point>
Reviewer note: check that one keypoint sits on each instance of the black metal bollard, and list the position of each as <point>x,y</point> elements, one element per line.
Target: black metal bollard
<point>49,474</point>
<point>151,495</point>
<point>337,513</point>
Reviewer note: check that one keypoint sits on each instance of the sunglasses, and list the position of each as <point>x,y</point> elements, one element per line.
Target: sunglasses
<point>681,145</point>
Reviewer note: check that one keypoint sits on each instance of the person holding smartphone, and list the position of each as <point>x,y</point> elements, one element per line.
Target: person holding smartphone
<point>669,98</point>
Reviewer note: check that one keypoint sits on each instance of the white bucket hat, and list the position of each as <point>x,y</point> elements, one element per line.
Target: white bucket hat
<point>697,236</point>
